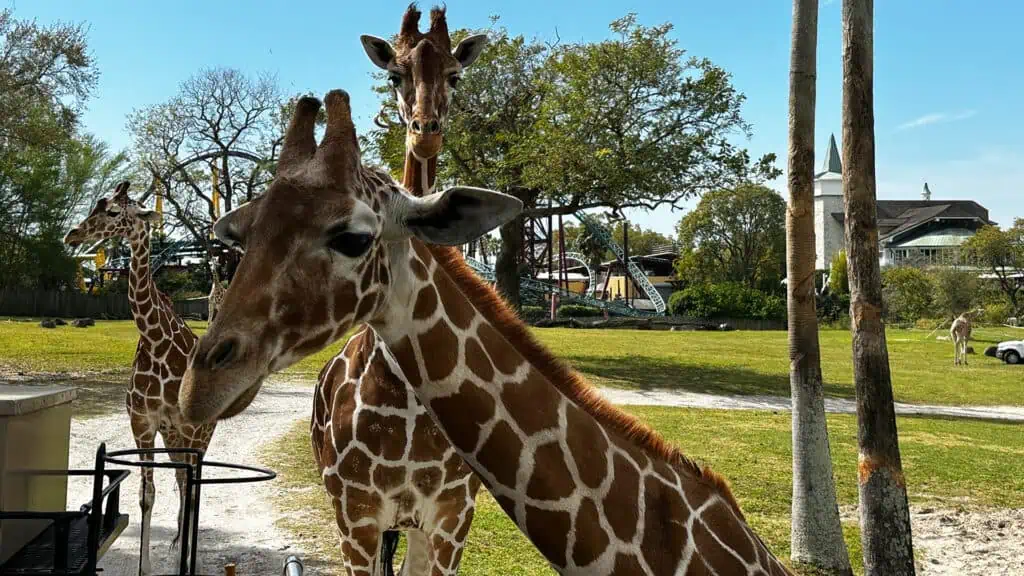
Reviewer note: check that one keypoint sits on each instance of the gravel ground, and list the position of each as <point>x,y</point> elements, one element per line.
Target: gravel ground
<point>236,521</point>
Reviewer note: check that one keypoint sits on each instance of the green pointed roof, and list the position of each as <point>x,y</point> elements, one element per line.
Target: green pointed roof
<point>832,161</point>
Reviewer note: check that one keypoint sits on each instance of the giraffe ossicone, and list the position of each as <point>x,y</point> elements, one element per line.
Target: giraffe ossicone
<point>161,358</point>
<point>332,243</point>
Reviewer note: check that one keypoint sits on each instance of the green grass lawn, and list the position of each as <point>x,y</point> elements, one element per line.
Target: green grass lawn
<point>713,362</point>
<point>948,463</point>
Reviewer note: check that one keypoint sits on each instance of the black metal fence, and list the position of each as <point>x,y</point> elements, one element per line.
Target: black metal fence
<point>74,304</point>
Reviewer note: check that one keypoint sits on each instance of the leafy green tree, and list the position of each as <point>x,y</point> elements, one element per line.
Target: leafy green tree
<point>907,293</point>
<point>48,170</point>
<point>1001,253</point>
<point>839,274</point>
<point>735,235</point>
<point>955,291</point>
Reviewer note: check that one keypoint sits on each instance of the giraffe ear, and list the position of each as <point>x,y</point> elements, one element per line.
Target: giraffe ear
<point>469,49</point>
<point>458,215</point>
<point>233,227</point>
<point>378,49</point>
<point>148,216</point>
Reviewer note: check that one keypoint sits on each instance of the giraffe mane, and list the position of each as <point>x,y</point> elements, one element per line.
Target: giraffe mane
<point>569,382</point>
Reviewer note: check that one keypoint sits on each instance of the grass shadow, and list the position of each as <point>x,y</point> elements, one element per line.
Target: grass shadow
<point>646,373</point>
<point>97,395</point>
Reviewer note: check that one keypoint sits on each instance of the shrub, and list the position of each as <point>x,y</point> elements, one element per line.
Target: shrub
<point>996,314</point>
<point>927,324</point>
<point>839,276</point>
<point>578,311</point>
<point>907,294</point>
<point>726,300</point>
<point>832,307</point>
<point>955,291</point>
<point>533,313</point>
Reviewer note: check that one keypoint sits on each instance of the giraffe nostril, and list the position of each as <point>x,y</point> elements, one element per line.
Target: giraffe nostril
<point>416,126</point>
<point>433,127</point>
<point>222,354</point>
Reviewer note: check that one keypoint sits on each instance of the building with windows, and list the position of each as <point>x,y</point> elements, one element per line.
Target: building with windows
<point>921,232</point>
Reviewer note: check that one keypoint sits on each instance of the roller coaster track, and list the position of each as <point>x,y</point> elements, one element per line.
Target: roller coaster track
<point>633,271</point>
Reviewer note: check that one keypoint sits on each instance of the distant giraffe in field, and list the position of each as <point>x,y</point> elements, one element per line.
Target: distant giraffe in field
<point>960,333</point>
<point>217,291</point>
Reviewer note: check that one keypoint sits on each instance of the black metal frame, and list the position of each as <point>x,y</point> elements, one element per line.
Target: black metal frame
<point>60,541</point>
<point>193,468</point>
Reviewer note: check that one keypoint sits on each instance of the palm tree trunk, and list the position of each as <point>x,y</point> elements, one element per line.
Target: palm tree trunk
<point>817,535</point>
<point>884,514</point>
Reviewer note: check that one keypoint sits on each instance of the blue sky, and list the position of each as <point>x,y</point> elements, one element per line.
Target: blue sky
<point>948,77</point>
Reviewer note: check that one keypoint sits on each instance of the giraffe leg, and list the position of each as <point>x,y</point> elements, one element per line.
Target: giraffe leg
<point>419,555</point>
<point>189,438</point>
<point>145,438</point>
<point>360,543</point>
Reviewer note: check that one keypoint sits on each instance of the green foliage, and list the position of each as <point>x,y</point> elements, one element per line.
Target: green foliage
<point>833,309</point>
<point>735,235</point>
<point>908,294</point>
<point>839,275</point>
<point>996,314</point>
<point>726,300</point>
<point>182,284</point>
<point>1000,252</point>
<point>955,291</point>
<point>49,171</point>
<point>578,311</point>
<point>533,313</point>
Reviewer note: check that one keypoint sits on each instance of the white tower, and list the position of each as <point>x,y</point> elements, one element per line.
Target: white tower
<point>828,200</point>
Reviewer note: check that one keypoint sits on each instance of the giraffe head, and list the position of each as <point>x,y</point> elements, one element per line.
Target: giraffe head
<point>116,216</point>
<point>325,247</point>
<point>423,71</point>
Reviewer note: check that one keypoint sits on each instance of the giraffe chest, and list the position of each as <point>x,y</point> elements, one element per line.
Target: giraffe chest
<point>376,445</point>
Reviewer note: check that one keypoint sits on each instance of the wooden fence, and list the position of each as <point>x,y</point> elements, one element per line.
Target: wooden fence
<point>74,304</point>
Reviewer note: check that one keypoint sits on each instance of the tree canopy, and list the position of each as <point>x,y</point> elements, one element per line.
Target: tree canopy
<point>1001,253</point>
<point>49,169</point>
<point>735,235</point>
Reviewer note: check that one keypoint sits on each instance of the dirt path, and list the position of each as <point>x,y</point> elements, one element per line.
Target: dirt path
<point>236,521</point>
<point>663,397</point>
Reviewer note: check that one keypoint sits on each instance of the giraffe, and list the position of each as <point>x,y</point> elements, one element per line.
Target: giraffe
<point>423,71</point>
<point>161,357</point>
<point>217,291</point>
<point>960,333</point>
<point>332,243</point>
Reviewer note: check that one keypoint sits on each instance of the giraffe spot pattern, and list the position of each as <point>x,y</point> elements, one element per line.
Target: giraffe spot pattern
<point>548,530</point>
<point>440,348</point>
<point>551,479</point>
<point>467,410</point>
<point>591,541</point>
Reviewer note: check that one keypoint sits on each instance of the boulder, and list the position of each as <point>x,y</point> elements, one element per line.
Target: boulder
<point>990,351</point>
<point>47,324</point>
<point>970,350</point>
<point>83,322</point>
<point>59,322</point>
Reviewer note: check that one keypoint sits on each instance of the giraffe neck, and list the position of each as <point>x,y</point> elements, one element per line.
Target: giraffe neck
<point>420,174</point>
<point>142,293</point>
<point>589,485</point>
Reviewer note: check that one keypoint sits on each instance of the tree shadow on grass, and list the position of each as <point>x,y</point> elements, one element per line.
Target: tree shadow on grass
<point>645,373</point>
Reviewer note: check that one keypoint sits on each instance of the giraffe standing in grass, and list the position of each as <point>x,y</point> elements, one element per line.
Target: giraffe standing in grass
<point>960,334</point>
<point>332,243</point>
<point>165,345</point>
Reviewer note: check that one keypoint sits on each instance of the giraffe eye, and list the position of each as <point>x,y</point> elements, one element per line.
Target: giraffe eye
<point>395,80</point>
<point>351,244</point>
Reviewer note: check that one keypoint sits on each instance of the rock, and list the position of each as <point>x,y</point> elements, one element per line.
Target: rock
<point>47,324</point>
<point>59,322</point>
<point>83,322</point>
<point>970,350</point>
<point>990,351</point>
